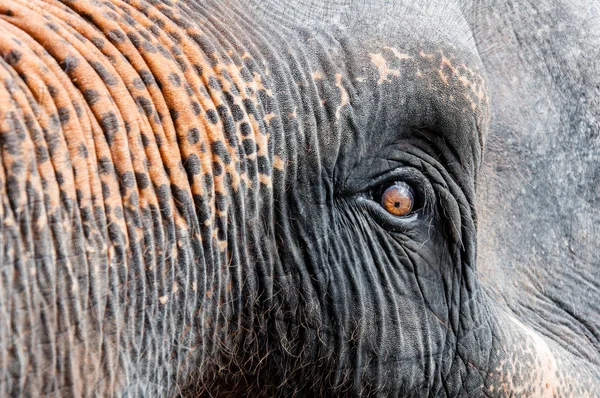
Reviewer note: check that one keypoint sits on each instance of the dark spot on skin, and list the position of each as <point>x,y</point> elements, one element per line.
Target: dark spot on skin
<point>52,27</point>
<point>59,178</point>
<point>217,169</point>
<point>250,108</point>
<point>91,96</point>
<point>111,15</point>
<point>116,36</point>
<point>164,52</point>
<point>196,108</point>
<point>79,196</point>
<point>163,193</point>
<point>105,166</point>
<point>31,126</point>
<point>228,124</point>
<point>52,90</point>
<point>202,211</point>
<point>245,129</point>
<point>98,42</point>
<point>105,190</point>
<point>245,73</point>
<point>135,40</point>
<point>13,57</point>
<point>192,165</point>
<point>18,129</point>
<point>249,146</point>
<point>144,35</point>
<point>263,165</point>
<point>9,13</point>
<point>10,142</point>
<point>78,110</point>
<point>208,181</point>
<point>129,20</point>
<point>225,75</point>
<point>220,201</point>
<point>142,180</point>
<point>12,187</point>
<point>148,47</point>
<point>110,125</point>
<point>175,79</point>
<point>104,74</point>
<point>64,115</point>
<point>236,112</point>
<point>17,167</point>
<point>229,99</point>
<point>159,22</point>
<point>138,83</point>
<point>212,116</point>
<point>221,233</point>
<point>10,85</point>
<point>41,154</point>
<point>183,201</point>
<point>54,122</point>
<point>128,179</point>
<point>147,77</point>
<point>181,62</point>
<point>52,140</point>
<point>155,30</point>
<point>176,37</point>
<point>219,149</point>
<point>145,140</point>
<point>214,83</point>
<point>193,135</point>
<point>83,152</point>
<point>174,114</point>
<point>70,63</point>
<point>145,104</point>
<point>197,69</point>
<point>158,140</point>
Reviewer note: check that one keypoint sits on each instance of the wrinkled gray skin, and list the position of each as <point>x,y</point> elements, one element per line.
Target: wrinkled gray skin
<point>491,288</point>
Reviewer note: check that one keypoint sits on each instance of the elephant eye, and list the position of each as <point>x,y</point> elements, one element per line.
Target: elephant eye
<point>397,198</point>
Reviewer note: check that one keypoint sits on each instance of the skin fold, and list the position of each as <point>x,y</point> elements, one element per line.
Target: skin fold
<point>189,198</point>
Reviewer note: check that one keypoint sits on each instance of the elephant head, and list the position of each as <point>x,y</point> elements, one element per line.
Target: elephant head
<point>264,198</point>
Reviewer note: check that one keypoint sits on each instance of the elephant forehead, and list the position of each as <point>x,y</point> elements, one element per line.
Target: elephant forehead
<point>367,92</point>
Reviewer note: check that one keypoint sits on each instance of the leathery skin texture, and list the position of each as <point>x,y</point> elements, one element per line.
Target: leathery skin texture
<point>186,208</point>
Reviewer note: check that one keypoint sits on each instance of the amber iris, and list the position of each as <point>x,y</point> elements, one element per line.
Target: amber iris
<point>398,199</point>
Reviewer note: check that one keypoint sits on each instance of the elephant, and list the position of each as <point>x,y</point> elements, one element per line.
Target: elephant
<point>299,198</point>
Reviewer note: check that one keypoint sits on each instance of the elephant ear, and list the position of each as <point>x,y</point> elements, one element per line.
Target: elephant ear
<point>539,192</point>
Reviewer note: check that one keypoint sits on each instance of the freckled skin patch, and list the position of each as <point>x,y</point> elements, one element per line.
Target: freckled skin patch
<point>119,175</point>
<point>382,67</point>
<point>343,95</point>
